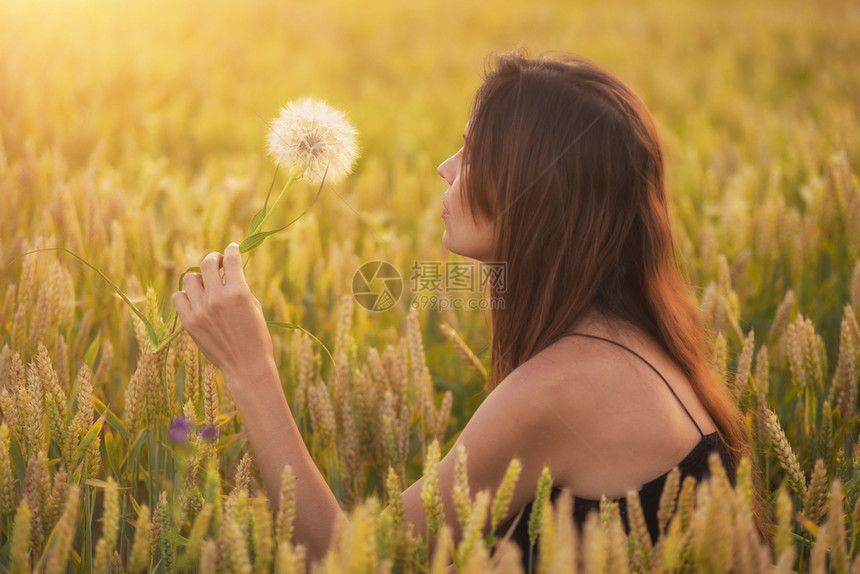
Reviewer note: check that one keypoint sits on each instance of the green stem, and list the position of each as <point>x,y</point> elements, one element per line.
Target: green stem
<point>167,473</point>
<point>157,347</point>
<point>134,490</point>
<point>157,462</point>
<point>122,514</point>
<point>150,446</point>
<point>294,172</point>
<point>90,504</point>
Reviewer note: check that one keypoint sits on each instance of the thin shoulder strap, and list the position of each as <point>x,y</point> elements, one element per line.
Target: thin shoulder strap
<point>653,368</point>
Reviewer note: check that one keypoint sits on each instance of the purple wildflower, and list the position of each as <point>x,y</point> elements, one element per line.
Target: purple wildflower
<point>180,428</point>
<point>209,433</point>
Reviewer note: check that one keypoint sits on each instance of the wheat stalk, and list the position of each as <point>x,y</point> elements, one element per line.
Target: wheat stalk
<point>565,558</point>
<point>762,371</point>
<point>839,561</point>
<point>643,551</point>
<point>463,350</point>
<point>161,536</point>
<point>57,499</point>
<point>64,533</point>
<point>504,494</point>
<point>286,506</point>
<point>262,536</point>
<point>110,526</point>
<point>21,539</point>
<point>236,545</point>
<point>139,557</point>
<point>431,497</point>
<point>548,538</point>
<point>782,540</point>
<point>787,458</point>
<point>472,532</point>
<point>460,493</point>
<point>742,371</point>
<point>322,415</point>
<point>8,499</point>
<point>594,545</point>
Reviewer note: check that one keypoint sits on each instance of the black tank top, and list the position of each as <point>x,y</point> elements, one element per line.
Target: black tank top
<point>695,464</point>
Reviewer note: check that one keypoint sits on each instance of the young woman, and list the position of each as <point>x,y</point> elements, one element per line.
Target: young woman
<point>599,366</point>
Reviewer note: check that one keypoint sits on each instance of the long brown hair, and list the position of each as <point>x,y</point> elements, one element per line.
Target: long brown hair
<point>565,159</point>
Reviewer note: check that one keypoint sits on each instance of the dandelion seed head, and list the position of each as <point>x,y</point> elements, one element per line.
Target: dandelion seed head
<point>315,138</point>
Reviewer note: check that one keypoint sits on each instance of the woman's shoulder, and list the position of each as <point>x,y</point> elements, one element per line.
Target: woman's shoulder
<point>616,408</point>
<point>540,408</point>
<point>597,360</point>
<point>609,359</point>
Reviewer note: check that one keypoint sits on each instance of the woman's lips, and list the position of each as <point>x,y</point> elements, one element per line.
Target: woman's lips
<point>444,212</point>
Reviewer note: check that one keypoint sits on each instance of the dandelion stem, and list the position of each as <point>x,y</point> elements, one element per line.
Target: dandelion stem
<point>294,172</point>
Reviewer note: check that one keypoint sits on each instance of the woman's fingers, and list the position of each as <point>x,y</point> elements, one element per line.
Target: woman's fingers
<point>182,304</point>
<point>202,288</point>
<point>193,284</point>
<point>223,316</point>
<point>210,267</point>
<point>233,265</point>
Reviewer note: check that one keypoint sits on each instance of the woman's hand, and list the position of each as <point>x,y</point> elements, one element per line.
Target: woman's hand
<point>225,319</point>
<point>227,323</point>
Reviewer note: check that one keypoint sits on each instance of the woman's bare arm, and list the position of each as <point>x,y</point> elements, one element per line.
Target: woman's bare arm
<point>512,422</point>
<point>276,441</point>
<point>226,322</point>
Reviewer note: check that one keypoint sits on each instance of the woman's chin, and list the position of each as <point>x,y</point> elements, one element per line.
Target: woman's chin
<point>451,246</point>
<point>460,252</point>
<point>446,241</point>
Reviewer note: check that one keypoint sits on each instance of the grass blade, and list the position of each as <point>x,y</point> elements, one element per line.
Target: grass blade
<point>133,452</point>
<point>150,331</point>
<point>91,435</point>
<point>112,419</point>
<point>312,336</point>
<point>186,272</point>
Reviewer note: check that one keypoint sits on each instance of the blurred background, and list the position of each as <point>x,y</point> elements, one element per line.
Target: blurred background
<point>133,133</point>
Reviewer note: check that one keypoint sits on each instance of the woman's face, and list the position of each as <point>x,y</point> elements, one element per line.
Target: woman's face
<point>462,235</point>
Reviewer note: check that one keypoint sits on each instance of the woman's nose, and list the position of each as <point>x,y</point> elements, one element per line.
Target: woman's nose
<point>445,170</point>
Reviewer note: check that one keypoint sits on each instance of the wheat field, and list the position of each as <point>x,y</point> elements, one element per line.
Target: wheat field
<point>132,134</point>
